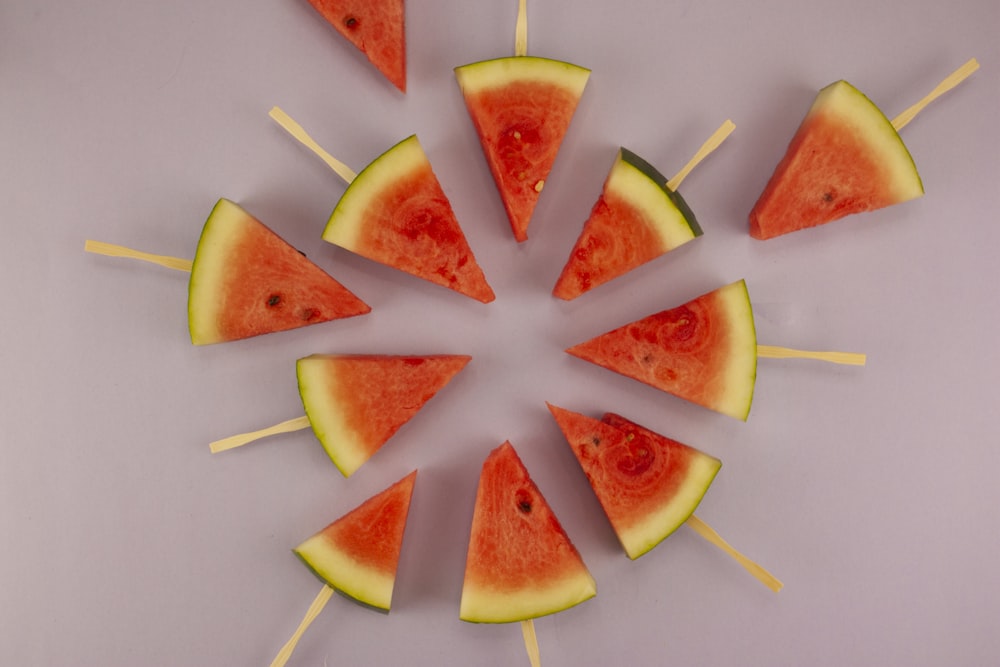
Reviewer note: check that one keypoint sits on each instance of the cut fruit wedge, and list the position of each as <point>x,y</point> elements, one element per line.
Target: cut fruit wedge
<point>355,403</point>
<point>648,487</point>
<point>520,562</point>
<point>396,213</point>
<point>358,554</point>
<point>636,219</point>
<point>521,107</point>
<point>704,351</point>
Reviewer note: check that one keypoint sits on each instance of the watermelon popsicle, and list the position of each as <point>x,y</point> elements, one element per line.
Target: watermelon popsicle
<point>395,212</point>
<point>638,217</point>
<point>357,555</point>
<point>247,281</point>
<point>355,403</point>
<point>846,157</point>
<point>648,485</point>
<point>520,562</point>
<point>521,107</point>
<point>704,351</point>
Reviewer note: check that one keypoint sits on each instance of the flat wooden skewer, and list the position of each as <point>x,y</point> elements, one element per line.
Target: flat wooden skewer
<point>314,609</point>
<point>710,145</point>
<point>531,642</point>
<point>521,49</point>
<point>952,80</point>
<point>753,568</point>
<point>296,130</point>
<point>233,441</point>
<point>846,358</point>
<point>112,250</point>
<point>521,29</point>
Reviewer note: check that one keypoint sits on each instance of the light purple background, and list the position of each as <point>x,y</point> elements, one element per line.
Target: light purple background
<point>870,492</point>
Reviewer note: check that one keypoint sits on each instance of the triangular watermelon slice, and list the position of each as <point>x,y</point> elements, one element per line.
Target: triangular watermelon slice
<point>704,351</point>
<point>358,554</point>
<point>247,281</point>
<point>521,107</point>
<point>520,563</point>
<point>355,403</point>
<point>396,213</point>
<point>636,219</point>
<point>376,27</point>
<point>647,484</point>
<point>846,157</point>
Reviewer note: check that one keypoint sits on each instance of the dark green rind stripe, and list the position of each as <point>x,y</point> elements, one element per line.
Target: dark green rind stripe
<point>654,175</point>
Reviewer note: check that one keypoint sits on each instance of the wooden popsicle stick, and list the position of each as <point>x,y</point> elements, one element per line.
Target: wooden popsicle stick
<point>296,130</point>
<point>710,145</point>
<point>952,80</point>
<point>314,609</point>
<point>521,29</point>
<point>531,642</point>
<point>753,568</point>
<point>112,250</point>
<point>846,358</point>
<point>233,441</point>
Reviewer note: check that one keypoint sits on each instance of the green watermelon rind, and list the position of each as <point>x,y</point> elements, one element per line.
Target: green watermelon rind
<point>328,423</point>
<point>498,72</point>
<point>345,575</point>
<point>207,270</point>
<point>351,216</point>
<point>481,605</point>
<point>347,219</point>
<point>678,231</point>
<point>742,369</point>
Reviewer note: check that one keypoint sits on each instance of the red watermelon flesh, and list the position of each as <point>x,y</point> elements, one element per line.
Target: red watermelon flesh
<point>376,27</point>
<point>247,281</point>
<point>520,563</point>
<point>845,158</point>
<point>396,213</point>
<point>636,219</point>
<point>704,351</point>
<point>358,554</point>
<point>521,108</point>
<point>647,484</point>
<point>355,403</point>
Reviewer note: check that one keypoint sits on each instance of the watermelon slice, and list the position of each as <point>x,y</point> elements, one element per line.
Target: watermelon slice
<point>355,403</point>
<point>520,563</point>
<point>358,554</point>
<point>636,219</point>
<point>647,484</point>
<point>395,212</point>
<point>846,157</point>
<point>521,107</point>
<point>704,351</point>
<point>376,27</point>
<point>247,281</point>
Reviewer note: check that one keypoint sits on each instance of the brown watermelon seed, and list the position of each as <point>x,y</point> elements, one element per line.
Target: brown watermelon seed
<point>523,499</point>
<point>351,22</point>
<point>274,300</point>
